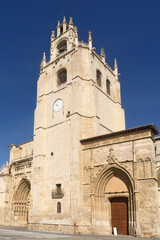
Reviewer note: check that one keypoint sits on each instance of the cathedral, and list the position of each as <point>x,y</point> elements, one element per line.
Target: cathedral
<point>83,172</point>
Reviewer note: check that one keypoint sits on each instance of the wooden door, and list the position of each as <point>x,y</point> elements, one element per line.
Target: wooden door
<point>119,215</point>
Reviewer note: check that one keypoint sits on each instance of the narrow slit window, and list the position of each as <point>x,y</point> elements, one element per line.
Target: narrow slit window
<point>58,207</point>
<point>99,76</point>
<point>108,87</point>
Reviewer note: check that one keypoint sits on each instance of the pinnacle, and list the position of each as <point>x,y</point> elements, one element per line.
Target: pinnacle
<point>64,20</point>
<point>71,21</point>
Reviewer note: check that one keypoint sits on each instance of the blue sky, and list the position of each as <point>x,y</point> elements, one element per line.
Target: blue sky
<point>128,30</point>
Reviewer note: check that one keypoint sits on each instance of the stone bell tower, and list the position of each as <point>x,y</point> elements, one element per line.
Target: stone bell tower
<point>78,96</point>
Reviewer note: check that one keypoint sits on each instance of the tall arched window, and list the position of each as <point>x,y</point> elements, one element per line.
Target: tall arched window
<point>58,207</point>
<point>99,75</point>
<point>62,46</point>
<point>108,87</point>
<point>62,76</point>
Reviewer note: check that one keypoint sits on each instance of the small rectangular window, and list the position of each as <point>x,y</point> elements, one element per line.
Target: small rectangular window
<point>58,186</point>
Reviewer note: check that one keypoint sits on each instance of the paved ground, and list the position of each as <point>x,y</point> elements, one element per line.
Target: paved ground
<point>18,233</point>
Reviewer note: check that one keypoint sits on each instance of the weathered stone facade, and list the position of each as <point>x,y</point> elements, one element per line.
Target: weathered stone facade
<point>83,172</point>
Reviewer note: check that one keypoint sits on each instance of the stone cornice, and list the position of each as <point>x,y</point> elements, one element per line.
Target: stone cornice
<point>27,158</point>
<point>151,127</point>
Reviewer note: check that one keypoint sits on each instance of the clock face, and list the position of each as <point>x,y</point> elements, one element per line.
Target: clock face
<point>58,105</point>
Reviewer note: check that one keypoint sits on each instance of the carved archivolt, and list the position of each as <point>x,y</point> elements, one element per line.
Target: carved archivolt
<point>21,198</point>
<point>107,173</point>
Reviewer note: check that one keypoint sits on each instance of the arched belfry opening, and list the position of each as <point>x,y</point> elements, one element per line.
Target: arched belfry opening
<point>21,200</point>
<point>114,204</point>
<point>62,46</point>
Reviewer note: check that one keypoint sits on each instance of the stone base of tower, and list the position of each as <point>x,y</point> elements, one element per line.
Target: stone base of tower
<point>59,228</point>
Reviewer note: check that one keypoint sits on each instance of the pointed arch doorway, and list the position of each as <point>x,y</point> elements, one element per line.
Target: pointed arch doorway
<point>21,201</point>
<point>114,203</point>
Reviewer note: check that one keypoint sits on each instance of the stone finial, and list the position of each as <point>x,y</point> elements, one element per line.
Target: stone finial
<point>44,57</point>
<point>58,23</point>
<point>52,36</point>
<point>89,36</point>
<point>115,63</point>
<point>76,36</point>
<point>116,69</point>
<point>58,28</point>
<point>90,40</point>
<point>43,62</point>
<point>76,32</point>
<point>52,44</point>
<point>102,52</point>
<point>64,19</point>
<point>64,25</point>
<point>103,56</point>
<point>71,21</point>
